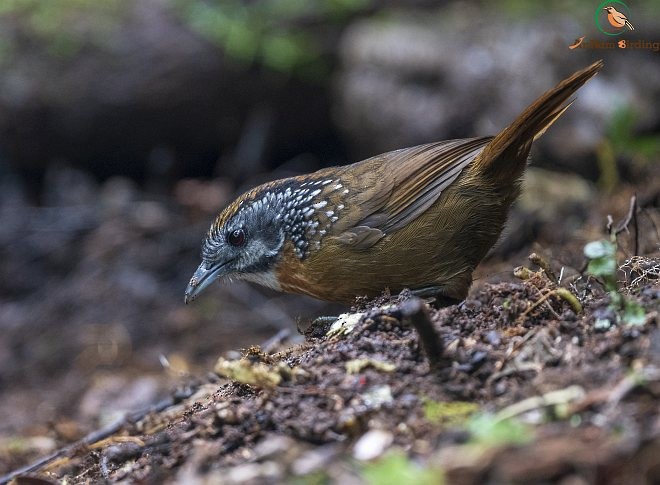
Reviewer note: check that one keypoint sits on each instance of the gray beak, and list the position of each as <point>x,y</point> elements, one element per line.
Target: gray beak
<point>206,274</point>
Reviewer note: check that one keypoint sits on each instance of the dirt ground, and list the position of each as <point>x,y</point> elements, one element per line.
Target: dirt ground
<point>529,380</point>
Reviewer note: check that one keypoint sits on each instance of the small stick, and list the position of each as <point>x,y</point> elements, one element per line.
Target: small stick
<point>99,435</point>
<point>542,263</point>
<point>631,216</point>
<point>533,306</point>
<point>415,311</point>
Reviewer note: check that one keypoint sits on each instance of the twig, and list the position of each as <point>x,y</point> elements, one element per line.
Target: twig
<point>611,396</point>
<point>103,433</point>
<point>631,216</point>
<point>542,263</point>
<point>515,347</point>
<point>610,223</point>
<point>543,299</point>
<point>415,311</point>
<point>552,398</point>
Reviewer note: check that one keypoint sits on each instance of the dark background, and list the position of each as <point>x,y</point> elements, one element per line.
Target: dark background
<point>126,125</point>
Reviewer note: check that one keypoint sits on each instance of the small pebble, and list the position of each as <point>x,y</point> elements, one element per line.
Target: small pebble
<point>494,338</point>
<point>372,444</point>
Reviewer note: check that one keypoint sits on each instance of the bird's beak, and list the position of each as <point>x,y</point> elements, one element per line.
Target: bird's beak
<point>206,274</point>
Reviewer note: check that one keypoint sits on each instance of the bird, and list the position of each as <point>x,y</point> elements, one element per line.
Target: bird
<point>617,19</point>
<point>418,218</point>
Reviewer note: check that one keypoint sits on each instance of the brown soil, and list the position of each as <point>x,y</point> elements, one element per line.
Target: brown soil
<point>605,428</point>
<point>514,385</point>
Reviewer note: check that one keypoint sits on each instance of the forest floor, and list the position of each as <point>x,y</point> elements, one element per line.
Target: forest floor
<point>541,378</point>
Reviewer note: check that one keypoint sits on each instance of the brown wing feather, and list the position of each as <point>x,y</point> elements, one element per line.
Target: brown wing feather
<point>422,176</point>
<point>403,184</point>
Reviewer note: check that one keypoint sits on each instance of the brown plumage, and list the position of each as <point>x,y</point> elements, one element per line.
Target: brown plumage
<point>617,19</point>
<point>420,218</point>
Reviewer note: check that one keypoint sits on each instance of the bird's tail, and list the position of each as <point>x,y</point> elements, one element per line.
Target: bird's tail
<point>506,154</point>
<point>629,25</point>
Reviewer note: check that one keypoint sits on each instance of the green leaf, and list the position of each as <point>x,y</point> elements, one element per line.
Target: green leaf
<point>242,40</point>
<point>599,249</point>
<point>602,324</point>
<point>282,52</point>
<point>633,313</point>
<point>621,127</point>
<point>449,413</point>
<point>396,468</point>
<point>605,267</point>
<point>488,430</point>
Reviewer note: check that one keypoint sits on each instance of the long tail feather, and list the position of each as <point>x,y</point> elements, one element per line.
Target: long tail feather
<point>507,152</point>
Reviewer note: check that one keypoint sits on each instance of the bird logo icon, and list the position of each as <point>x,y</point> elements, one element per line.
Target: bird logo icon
<point>617,19</point>
<point>612,18</point>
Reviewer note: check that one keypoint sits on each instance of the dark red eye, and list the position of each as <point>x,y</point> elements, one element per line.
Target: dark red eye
<point>236,238</point>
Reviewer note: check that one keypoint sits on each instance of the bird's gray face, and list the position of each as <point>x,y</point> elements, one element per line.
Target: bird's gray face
<point>246,246</point>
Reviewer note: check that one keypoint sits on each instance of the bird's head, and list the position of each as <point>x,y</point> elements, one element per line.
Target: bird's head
<point>244,242</point>
<point>247,239</point>
<point>609,9</point>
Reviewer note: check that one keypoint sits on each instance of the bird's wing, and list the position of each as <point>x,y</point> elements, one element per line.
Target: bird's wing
<point>619,18</point>
<point>422,173</point>
<point>404,184</point>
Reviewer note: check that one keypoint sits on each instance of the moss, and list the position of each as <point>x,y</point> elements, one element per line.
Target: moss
<point>448,413</point>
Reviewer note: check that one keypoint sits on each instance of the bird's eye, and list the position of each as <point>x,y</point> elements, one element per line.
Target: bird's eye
<point>236,238</point>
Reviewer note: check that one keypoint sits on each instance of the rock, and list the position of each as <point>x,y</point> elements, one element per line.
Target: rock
<point>372,444</point>
<point>315,459</point>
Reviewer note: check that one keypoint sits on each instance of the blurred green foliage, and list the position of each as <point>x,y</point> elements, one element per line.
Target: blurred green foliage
<point>319,477</point>
<point>621,141</point>
<point>283,35</point>
<point>62,26</point>
<point>397,468</point>
<point>448,413</point>
<point>603,265</point>
<point>488,430</point>
<point>276,33</point>
<point>579,11</point>
<point>621,133</point>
